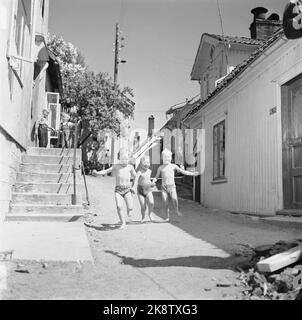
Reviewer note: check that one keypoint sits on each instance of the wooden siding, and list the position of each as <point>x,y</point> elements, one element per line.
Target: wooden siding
<point>217,68</point>
<point>253,135</point>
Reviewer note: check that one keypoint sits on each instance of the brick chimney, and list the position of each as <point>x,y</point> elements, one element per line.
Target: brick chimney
<point>150,126</point>
<point>263,28</point>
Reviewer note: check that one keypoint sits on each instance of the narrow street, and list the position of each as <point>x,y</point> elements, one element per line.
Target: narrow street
<point>192,257</point>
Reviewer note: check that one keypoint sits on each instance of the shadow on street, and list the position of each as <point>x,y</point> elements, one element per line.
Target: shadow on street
<point>206,262</point>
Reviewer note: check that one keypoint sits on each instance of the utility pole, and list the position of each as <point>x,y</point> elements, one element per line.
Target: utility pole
<point>117,60</point>
<point>117,47</point>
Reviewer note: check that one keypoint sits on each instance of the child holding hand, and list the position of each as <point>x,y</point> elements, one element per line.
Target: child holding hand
<point>144,187</point>
<point>123,173</point>
<point>168,188</point>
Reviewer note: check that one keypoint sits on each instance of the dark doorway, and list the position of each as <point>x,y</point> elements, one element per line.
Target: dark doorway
<point>291,94</point>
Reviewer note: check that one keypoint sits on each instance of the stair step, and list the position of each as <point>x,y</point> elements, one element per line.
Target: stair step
<point>44,217</point>
<point>60,188</point>
<point>43,198</point>
<point>53,152</point>
<point>47,177</point>
<point>45,209</point>
<point>45,168</point>
<point>49,159</point>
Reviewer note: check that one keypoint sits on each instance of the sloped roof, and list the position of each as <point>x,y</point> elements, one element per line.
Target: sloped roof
<point>238,70</point>
<point>180,114</point>
<point>234,39</point>
<point>206,37</point>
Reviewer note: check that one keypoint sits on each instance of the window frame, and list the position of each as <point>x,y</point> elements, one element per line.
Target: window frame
<point>18,43</point>
<point>217,162</point>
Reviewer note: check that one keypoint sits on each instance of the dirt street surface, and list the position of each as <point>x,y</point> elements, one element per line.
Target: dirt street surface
<point>191,257</point>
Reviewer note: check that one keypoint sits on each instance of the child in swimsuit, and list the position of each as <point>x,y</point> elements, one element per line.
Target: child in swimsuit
<point>65,130</point>
<point>123,173</point>
<point>168,189</point>
<point>144,187</point>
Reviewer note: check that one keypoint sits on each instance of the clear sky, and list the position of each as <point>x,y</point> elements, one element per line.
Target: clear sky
<point>161,41</point>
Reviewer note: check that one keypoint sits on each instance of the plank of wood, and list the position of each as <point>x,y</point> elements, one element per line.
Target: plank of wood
<point>280,260</point>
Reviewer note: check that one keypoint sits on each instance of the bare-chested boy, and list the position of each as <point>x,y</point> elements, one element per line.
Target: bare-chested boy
<point>123,173</point>
<point>144,187</point>
<point>168,188</point>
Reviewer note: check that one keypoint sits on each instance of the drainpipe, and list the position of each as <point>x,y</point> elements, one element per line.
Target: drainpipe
<point>32,58</point>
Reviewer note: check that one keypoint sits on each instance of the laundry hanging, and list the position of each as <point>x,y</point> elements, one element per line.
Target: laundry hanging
<point>292,19</point>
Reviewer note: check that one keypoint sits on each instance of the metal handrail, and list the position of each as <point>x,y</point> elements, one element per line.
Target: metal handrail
<point>81,167</point>
<point>86,188</point>
<point>74,196</point>
<point>76,144</point>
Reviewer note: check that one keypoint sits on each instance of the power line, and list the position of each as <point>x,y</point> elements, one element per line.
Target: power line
<point>223,38</point>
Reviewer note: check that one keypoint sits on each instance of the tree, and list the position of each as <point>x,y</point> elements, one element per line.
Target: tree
<point>98,103</point>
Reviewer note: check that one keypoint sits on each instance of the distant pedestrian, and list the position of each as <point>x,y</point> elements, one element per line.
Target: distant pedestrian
<point>66,128</point>
<point>105,160</point>
<point>168,187</point>
<point>42,128</point>
<point>144,187</point>
<point>123,173</point>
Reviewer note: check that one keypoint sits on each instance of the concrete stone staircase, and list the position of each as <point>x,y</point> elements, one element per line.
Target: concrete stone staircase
<point>44,187</point>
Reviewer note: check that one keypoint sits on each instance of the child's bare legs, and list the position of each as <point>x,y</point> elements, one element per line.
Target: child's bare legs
<point>175,202</point>
<point>150,204</point>
<point>166,204</point>
<point>129,203</point>
<point>142,203</point>
<point>119,206</point>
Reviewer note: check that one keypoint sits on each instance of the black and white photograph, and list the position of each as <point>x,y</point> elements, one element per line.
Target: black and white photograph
<point>150,153</point>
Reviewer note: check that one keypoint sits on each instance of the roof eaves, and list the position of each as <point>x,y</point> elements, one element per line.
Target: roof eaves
<point>180,115</point>
<point>197,54</point>
<point>236,39</point>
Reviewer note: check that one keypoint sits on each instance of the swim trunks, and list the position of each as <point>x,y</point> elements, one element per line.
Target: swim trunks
<point>143,190</point>
<point>122,190</point>
<point>168,188</point>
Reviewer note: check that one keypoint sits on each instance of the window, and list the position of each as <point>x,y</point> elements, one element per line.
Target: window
<point>219,151</point>
<point>212,53</point>
<point>43,7</point>
<point>206,85</point>
<point>20,44</point>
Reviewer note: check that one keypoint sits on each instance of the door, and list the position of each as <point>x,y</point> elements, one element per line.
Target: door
<point>54,108</point>
<point>292,143</point>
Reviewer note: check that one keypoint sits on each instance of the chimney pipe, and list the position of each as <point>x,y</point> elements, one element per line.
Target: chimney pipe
<point>263,28</point>
<point>259,13</point>
<point>274,17</point>
<point>150,125</point>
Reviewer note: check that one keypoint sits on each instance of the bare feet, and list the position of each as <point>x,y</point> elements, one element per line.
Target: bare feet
<point>179,213</point>
<point>122,226</point>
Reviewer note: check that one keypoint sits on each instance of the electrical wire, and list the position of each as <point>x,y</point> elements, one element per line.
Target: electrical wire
<point>223,37</point>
